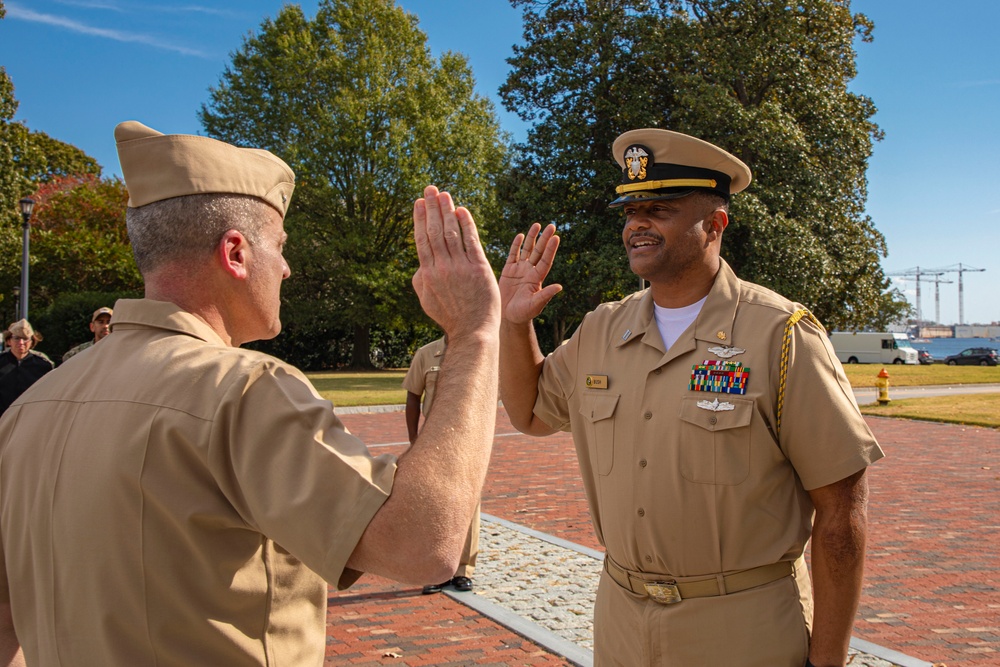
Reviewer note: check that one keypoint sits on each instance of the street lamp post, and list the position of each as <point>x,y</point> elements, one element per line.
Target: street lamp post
<point>26,205</point>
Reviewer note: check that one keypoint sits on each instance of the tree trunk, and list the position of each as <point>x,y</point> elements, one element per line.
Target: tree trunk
<point>361,356</point>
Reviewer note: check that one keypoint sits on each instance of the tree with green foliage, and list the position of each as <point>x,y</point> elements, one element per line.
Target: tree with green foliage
<point>765,80</point>
<point>79,236</point>
<point>576,77</point>
<point>354,102</point>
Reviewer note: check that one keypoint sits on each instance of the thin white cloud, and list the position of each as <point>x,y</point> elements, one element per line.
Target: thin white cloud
<point>111,5</point>
<point>92,4</point>
<point>18,12</point>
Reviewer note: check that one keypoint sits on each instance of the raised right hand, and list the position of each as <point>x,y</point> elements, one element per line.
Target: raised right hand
<point>455,282</point>
<point>531,255</point>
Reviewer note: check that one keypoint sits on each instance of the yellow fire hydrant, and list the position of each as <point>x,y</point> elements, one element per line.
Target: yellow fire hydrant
<point>882,384</point>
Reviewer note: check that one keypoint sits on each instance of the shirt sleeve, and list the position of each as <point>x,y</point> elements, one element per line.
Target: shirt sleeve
<point>822,433</point>
<point>556,382</point>
<point>294,472</point>
<point>413,382</point>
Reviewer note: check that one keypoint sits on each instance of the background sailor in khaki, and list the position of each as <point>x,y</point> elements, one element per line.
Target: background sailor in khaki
<point>169,498</point>
<point>420,382</point>
<point>100,326</point>
<point>704,477</point>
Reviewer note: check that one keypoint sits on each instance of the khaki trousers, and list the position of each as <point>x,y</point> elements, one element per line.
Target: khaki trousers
<point>767,626</point>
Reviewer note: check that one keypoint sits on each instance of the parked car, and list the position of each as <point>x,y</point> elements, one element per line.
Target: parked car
<point>924,357</point>
<point>974,356</point>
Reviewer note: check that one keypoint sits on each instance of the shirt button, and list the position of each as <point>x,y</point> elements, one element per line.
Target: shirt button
<point>648,415</point>
<point>642,512</point>
<point>658,371</point>
<point>713,421</point>
<point>642,463</point>
<point>649,559</point>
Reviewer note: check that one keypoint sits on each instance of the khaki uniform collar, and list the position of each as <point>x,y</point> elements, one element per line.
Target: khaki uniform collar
<point>714,323</point>
<point>149,314</point>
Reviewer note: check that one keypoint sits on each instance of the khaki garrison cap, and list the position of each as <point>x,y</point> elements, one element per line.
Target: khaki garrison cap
<point>660,164</point>
<point>22,328</point>
<point>159,166</point>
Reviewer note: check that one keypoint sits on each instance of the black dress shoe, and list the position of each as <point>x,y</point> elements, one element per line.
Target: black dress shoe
<point>434,588</point>
<point>462,583</point>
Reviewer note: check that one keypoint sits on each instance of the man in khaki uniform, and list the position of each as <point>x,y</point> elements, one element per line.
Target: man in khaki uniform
<point>714,427</point>
<point>420,381</point>
<point>169,498</point>
<point>100,326</point>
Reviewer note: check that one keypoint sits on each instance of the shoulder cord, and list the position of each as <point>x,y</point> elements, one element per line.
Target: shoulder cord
<point>786,341</point>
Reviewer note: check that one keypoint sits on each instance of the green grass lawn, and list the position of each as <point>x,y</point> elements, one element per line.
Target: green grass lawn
<point>346,389</point>
<point>973,409</point>
<point>863,375</point>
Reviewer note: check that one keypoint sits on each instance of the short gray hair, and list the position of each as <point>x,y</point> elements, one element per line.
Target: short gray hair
<point>182,228</point>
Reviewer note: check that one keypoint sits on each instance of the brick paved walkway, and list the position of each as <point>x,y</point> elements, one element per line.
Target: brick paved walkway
<point>932,587</point>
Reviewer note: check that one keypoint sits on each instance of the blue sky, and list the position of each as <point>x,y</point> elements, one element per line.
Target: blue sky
<point>81,66</point>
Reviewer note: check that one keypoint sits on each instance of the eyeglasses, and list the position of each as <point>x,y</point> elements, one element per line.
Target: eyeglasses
<point>21,338</point>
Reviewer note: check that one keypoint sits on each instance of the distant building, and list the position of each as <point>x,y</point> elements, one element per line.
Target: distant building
<point>976,331</point>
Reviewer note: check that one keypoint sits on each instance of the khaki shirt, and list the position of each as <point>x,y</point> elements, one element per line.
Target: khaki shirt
<point>170,500</point>
<point>678,489</point>
<point>421,378</point>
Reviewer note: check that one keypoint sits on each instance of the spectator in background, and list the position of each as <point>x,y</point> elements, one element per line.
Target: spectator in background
<point>20,366</point>
<point>100,325</point>
<point>420,381</point>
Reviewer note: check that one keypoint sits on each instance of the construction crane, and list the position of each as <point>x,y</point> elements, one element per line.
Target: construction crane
<point>959,269</point>
<point>918,276</point>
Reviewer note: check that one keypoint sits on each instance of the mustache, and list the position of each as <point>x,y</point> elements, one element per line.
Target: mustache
<point>644,235</point>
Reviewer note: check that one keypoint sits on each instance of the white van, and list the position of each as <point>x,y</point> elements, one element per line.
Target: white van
<point>873,348</point>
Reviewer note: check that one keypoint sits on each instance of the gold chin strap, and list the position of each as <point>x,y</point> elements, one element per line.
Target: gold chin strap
<point>671,183</point>
<point>786,341</point>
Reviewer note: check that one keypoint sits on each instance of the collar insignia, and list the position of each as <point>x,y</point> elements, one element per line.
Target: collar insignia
<point>716,406</point>
<point>726,351</point>
<point>625,336</point>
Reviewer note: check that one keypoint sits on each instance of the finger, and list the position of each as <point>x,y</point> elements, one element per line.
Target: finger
<point>451,232</point>
<point>541,298</point>
<point>435,222</point>
<point>530,239</point>
<point>548,256</point>
<point>420,239</point>
<point>515,249</point>
<point>470,234</point>
<point>541,243</point>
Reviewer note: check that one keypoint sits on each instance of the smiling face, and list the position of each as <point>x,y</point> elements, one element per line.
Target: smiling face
<point>673,241</point>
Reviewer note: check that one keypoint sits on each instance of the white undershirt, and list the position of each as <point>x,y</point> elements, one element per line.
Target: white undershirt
<point>673,321</point>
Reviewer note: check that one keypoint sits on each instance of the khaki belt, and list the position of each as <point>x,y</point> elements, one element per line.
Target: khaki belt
<point>667,590</point>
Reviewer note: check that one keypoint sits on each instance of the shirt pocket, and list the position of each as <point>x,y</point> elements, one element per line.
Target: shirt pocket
<point>715,444</point>
<point>598,411</point>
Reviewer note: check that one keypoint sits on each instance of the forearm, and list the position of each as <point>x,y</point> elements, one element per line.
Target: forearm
<point>838,555</point>
<point>412,416</point>
<point>521,362</point>
<point>418,534</point>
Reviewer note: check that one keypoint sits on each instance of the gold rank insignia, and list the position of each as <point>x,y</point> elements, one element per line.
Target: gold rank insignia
<point>721,335</point>
<point>597,381</point>
<point>636,159</point>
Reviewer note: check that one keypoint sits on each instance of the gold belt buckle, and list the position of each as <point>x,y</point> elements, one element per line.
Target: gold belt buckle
<point>664,592</point>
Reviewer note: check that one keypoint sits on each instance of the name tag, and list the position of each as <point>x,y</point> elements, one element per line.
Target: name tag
<point>597,381</point>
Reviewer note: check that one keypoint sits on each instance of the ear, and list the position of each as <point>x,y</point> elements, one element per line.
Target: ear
<point>232,253</point>
<point>716,223</point>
